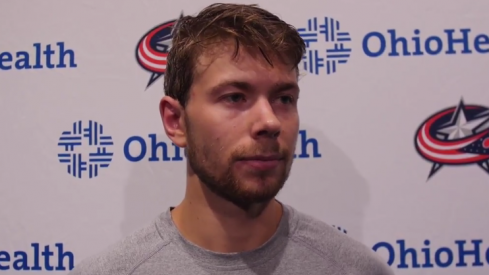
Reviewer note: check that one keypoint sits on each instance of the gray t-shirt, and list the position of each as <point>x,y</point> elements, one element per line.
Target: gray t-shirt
<point>302,245</point>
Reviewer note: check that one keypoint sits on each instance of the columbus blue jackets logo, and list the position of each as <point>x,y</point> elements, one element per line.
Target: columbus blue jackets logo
<point>152,49</point>
<point>455,136</point>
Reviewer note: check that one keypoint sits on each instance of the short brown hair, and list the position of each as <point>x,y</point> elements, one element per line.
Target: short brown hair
<point>248,25</point>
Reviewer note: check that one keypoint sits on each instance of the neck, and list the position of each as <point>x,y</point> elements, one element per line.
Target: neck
<point>217,225</point>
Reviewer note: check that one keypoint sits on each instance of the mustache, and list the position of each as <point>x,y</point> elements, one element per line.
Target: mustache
<point>261,149</point>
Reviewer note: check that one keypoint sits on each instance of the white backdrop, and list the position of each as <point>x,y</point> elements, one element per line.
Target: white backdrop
<point>362,164</point>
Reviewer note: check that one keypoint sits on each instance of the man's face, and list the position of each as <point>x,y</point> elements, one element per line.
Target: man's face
<point>242,125</point>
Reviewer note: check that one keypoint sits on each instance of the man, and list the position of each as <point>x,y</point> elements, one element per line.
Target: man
<point>231,100</point>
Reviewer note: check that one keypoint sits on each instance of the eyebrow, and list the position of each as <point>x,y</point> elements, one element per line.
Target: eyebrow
<point>247,87</point>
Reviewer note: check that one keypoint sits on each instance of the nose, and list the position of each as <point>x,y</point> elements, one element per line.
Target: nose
<point>265,122</point>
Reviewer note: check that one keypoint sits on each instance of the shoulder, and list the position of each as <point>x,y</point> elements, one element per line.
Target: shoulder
<point>330,243</point>
<point>125,255</point>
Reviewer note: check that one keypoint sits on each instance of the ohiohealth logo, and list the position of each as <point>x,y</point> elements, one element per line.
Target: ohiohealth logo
<point>138,148</point>
<point>451,42</point>
<point>85,149</point>
<point>37,258</point>
<point>455,136</point>
<point>327,45</point>
<point>461,253</point>
<point>40,56</point>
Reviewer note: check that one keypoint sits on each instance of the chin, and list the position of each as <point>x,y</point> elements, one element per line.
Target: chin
<point>260,186</point>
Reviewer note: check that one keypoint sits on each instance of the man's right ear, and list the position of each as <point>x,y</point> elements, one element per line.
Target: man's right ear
<point>173,121</point>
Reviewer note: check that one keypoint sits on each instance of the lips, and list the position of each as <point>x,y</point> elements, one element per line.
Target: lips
<point>262,162</point>
<point>262,158</point>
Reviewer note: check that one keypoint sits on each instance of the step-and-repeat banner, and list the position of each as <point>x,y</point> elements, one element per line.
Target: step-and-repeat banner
<point>393,148</point>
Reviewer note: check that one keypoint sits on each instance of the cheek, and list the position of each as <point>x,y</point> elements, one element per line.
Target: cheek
<point>223,131</point>
<point>291,124</point>
<point>290,131</point>
<point>219,144</point>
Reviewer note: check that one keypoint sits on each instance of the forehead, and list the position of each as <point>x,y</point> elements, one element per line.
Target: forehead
<point>219,63</point>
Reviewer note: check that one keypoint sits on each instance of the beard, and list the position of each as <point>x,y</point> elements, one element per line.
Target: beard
<point>205,159</point>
